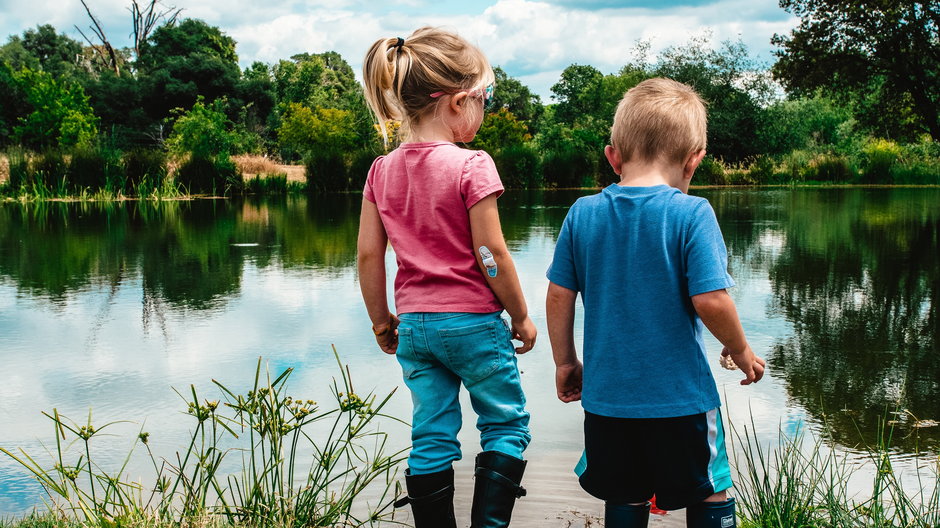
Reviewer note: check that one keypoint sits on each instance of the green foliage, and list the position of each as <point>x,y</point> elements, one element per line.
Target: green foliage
<point>519,166</point>
<point>500,129</point>
<point>267,184</point>
<point>60,116</point>
<point>203,131</point>
<point>711,171</point>
<point>360,163</point>
<point>14,104</point>
<point>216,176</point>
<point>804,122</point>
<point>20,175</point>
<point>326,171</point>
<point>43,49</point>
<point>879,156</point>
<point>95,168</point>
<point>184,61</point>
<point>882,55</point>
<point>144,166</point>
<point>304,131</point>
<point>512,95</point>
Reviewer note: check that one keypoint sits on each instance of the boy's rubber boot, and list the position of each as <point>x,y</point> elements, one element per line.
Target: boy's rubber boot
<point>711,515</point>
<point>626,515</point>
<point>432,499</point>
<point>495,489</point>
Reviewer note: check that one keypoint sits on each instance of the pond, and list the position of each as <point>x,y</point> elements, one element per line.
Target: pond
<point>109,307</point>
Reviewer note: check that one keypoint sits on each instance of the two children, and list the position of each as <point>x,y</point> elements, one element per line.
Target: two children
<point>647,259</point>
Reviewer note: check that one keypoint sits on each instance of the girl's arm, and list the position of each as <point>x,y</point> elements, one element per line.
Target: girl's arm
<point>373,241</point>
<point>486,231</point>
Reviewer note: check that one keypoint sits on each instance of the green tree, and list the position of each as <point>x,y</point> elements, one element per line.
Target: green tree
<point>14,104</point>
<point>204,131</point>
<point>59,112</point>
<point>732,85</point>
<point>499,130</point>
<point>864,48</point>
<point>304,130</point>
<point>516,97</point>
<point>577,92</point>
<point>182,61</point>
<point>43,49</point>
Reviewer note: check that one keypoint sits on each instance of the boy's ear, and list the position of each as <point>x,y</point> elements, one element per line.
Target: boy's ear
<point>614,158</point>
<point>691,163</point>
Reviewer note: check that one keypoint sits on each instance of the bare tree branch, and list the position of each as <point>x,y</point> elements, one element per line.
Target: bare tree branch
<point>112,62</point>
<point>145,20</point>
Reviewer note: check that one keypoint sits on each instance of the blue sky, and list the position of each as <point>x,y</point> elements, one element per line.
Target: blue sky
<point>532,40</point>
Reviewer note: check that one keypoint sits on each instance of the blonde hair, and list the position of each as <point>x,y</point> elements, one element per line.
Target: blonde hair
<point>659,119</point>
<point>401,74</point>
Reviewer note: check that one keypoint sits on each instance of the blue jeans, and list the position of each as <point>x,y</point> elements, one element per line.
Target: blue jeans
<point>438,352</point>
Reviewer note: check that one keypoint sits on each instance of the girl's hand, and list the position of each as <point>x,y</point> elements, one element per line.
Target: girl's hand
<point>386,335</point>
<point>524,331</point>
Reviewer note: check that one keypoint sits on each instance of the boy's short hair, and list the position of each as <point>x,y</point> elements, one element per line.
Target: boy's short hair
<point>659,119</point>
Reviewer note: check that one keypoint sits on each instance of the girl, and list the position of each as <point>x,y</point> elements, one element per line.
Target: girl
<point>436,203</point>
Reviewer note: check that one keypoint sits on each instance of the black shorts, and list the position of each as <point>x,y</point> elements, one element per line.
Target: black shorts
<point>681,460</point>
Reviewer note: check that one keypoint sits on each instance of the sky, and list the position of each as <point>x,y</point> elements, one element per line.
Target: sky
<point>532,41</point>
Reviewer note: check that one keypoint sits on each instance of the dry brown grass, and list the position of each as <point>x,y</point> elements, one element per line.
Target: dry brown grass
<point>249,164</point>
<point>4,168</point>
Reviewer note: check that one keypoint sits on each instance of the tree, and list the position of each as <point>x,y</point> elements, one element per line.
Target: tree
<point>203,131</point>
<point>855,47</point>
<point>515,97</point>
<point>185,60</point>
<point>14,104</point>
<point>325,129</point>
<point>576,92</point>
<point>499,130</point>
<point>43,49</point>
<point>59,112</point>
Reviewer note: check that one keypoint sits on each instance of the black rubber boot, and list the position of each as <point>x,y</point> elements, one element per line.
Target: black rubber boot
<point>432,499</point>
<point>495,489</point>
<point>626,515</point>
<point>711,515</point>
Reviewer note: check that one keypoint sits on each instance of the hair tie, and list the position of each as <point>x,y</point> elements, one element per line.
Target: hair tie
<point>400,43</point>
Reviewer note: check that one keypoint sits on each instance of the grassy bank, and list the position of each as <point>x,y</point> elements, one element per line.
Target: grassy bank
<point>247,463</point>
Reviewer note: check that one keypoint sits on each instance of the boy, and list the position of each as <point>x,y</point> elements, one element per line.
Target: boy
<point>651,267</point>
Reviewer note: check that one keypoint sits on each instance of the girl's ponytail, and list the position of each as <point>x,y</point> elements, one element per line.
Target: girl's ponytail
<point>401,74</point>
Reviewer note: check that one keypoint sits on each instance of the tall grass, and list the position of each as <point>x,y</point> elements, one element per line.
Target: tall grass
<point>265,434</point>
<point>796,484</point>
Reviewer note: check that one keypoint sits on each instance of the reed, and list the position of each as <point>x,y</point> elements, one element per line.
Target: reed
<point>263,434</point>
<point>797,483</point>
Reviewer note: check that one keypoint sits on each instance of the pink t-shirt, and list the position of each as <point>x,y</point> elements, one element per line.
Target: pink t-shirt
<point>423,192</point>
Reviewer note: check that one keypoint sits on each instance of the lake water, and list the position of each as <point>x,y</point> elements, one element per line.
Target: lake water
<point>109,307</point>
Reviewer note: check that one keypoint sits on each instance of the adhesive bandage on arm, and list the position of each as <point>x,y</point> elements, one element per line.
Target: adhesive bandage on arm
<point>488,261</point>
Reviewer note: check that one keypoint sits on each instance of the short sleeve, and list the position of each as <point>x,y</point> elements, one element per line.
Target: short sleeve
<point>479,179</point>
<point>562,271</point>
<point>367,191</point>
<point>705,253</point>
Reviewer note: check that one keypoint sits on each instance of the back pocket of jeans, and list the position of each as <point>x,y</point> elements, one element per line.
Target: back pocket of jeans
<point>406,352</point>
<point>472,351</point>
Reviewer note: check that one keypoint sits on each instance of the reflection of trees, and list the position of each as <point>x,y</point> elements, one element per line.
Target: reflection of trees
<point>188,254</point>
<point>859,278</point>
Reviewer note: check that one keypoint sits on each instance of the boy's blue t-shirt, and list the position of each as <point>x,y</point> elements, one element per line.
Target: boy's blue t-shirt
<point>637,255</point>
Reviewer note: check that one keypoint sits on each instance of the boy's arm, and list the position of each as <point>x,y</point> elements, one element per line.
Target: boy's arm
<point>717,311</point>
<point>372,244</point>
<point>486,231</point>
<point>559,309</point>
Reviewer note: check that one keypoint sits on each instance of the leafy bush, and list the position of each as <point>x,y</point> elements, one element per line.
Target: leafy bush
<point>828,168</point>
<point>359,165</point>
<point>215,176</point>
<point>326,171</point>
<point>569,167</point>
<point>95,168</point>
<point>879,157</point>
<point>203,131</point>
<point>762,170</point>
<point>144,165</point>
<point>305,131</point>
<point>711,171</point>
<point>519,166</point>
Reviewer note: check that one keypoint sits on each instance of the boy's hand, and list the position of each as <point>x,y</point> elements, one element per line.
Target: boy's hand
<point>751,365</point>
<point>568,381</point>
<point>386,335</point>
<point>524,331</point>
